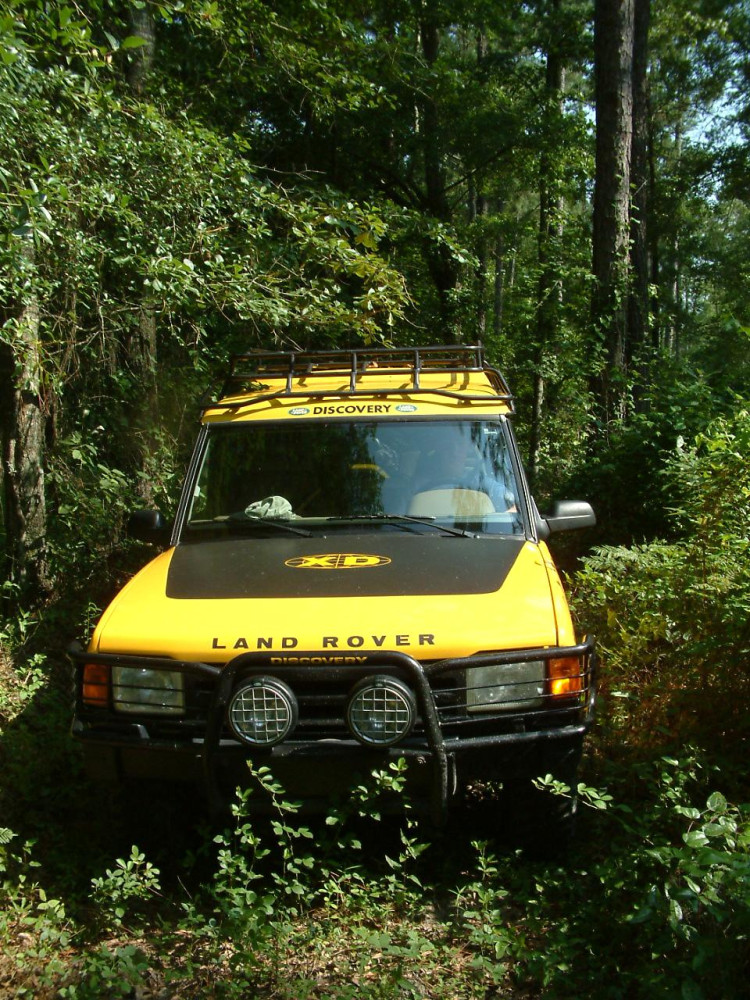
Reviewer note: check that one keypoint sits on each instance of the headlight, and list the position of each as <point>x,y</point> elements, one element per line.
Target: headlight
<point>505,686</point>
<point>381,711</point>
<point>140,691</point>
<point>262,712</point>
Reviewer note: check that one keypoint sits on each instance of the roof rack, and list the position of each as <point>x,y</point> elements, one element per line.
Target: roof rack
<point>247,372</point>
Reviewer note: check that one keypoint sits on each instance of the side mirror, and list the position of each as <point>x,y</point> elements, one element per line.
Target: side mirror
<point>567,515</point>
<point>149,526</point>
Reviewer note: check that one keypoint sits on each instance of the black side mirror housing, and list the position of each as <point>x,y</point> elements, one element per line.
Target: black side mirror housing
<point>569,515</point>
<point>149,526</point>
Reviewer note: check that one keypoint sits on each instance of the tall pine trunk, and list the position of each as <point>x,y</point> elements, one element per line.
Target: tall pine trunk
<point>441,263</point>
<point>550,214</point>
<point>638,314</point>
<point>613,55</point>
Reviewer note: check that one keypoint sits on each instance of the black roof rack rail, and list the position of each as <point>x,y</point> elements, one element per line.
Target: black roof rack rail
<point>248,371</point>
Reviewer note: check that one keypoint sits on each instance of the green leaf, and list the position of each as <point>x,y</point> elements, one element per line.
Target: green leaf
<point>716,802</point>
<point>695,838</point>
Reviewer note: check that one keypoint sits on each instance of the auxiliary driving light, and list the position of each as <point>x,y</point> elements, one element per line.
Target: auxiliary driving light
<point>381,711</point>
<point>263,711</point>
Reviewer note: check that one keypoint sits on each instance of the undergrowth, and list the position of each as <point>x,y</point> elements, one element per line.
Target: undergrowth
<point>134,895</point>
<point>653,901</point>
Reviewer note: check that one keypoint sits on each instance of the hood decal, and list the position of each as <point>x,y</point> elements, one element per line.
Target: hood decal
<point>226,568</point>
<point>337,560</point>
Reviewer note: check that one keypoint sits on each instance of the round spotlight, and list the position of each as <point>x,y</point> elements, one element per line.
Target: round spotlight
<point>262,711</point>
<point>381,711</point>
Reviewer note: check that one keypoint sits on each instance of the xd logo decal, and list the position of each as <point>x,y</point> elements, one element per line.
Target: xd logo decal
<point>337,560</point>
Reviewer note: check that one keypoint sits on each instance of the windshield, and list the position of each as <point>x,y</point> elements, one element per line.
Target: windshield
<point>297,475</point>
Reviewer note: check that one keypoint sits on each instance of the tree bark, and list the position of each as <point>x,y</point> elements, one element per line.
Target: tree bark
<point>141,59</point>
<point>613,72</point>
<point>479,210</point>
<point>140,350</point>
<point>22,428</point>
<point>440,261</point>
<point>550,216</point>
<point>638,311</point>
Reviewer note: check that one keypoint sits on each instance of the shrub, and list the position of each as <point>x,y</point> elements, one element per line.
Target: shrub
<point>673,618</point>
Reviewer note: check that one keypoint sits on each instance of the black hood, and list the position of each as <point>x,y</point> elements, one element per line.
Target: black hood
<point>385,564</point>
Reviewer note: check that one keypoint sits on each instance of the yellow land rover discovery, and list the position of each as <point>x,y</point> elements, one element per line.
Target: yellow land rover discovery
<point>356,573</point>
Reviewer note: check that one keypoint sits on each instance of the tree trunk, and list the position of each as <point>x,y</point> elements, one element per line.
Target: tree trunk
<point>140,59</point>
<point>550,216</point>
<point>140,350</point>
<point>498,289</point>
<point>440,261</point>
<point>653,244</point>
<point>613,57</point>
<point>23,437</point>
<point>638,307</point>
<point>481,212</point>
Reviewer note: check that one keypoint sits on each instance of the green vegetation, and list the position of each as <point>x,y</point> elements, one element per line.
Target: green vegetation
<point>182,179</point>
<point>652,901</point>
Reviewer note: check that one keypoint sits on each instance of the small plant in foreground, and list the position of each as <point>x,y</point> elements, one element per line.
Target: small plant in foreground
<point>109,973</point>
<point>132,882</point>
<point>481,908</point>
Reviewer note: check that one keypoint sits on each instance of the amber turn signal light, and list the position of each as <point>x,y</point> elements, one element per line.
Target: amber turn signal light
<point>565,676</point>
<point>96,685</point>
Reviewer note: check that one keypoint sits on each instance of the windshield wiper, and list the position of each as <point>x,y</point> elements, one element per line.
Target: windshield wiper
<point>399,519</point>
<point>271,522</point>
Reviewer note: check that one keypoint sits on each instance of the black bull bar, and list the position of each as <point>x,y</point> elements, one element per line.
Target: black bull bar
<point>299,664</point>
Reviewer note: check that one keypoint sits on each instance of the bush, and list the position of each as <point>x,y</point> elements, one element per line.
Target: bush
<point>673,618</point>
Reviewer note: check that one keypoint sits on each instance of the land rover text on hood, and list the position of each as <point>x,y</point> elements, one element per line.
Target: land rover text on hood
<point>356,573</point>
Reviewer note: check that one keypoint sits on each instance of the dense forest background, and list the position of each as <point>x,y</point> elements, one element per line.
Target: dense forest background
<point>564,181</point>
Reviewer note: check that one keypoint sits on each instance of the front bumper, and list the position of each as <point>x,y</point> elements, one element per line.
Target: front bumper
<point>449,746</point>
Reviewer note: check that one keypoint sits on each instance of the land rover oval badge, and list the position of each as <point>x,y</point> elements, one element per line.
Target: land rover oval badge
<point>337,560</point>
